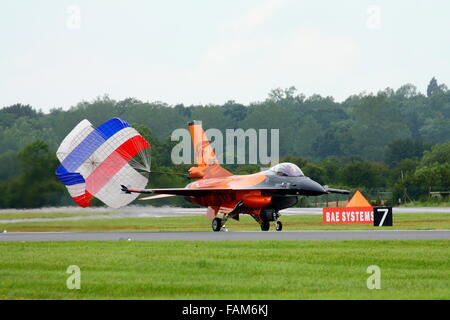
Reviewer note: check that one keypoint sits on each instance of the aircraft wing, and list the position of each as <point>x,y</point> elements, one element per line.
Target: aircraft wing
<point>340,191</point>
<point>200,192</point>
<point>172,191</point>
<point>158,196</point>
<point>186,192</point>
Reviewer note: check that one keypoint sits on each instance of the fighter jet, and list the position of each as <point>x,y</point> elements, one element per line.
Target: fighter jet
<point>261,195</point>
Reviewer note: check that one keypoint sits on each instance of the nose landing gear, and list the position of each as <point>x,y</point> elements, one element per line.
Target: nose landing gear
<point>278,226</point>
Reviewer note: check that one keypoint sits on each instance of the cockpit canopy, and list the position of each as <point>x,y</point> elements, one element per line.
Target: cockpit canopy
<point>287,169</point>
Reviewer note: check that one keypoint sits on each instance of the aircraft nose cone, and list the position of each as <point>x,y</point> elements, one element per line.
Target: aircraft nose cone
<point>313,188</point>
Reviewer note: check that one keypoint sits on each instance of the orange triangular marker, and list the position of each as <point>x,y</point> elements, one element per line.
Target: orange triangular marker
<point>358,200</point>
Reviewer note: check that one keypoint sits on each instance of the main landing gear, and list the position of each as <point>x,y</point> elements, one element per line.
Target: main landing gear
<point>265,225</point>
<point>217,224</point>
<point>263,219</point>
<point>266,217</point>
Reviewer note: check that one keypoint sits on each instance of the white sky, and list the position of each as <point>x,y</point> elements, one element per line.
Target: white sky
<point>204,51</point>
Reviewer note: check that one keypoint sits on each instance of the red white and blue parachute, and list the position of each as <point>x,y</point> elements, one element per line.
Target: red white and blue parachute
<point>95,162</point>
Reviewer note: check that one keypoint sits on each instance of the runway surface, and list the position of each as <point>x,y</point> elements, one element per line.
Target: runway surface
<point>227,236</point>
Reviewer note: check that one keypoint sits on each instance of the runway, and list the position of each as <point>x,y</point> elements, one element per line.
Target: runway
<point>229,236</point>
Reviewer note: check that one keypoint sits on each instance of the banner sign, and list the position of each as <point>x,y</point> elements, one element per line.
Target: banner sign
<point>348,215</point>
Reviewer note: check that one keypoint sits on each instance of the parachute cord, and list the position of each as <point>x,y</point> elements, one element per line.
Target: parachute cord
<point>143,164</point>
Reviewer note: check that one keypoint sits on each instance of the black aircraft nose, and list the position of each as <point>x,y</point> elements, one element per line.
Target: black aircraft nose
<point>311,188</point>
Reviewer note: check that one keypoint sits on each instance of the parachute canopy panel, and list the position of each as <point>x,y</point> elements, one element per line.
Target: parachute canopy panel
<point>96,161</point>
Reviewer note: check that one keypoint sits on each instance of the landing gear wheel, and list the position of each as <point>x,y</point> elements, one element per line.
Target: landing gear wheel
<point>279,226</point>
<point>216,224</point>
<point>265,226</point>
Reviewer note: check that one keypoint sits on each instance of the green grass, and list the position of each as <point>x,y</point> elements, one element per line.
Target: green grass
<point>34,215</point>
<point>404,221</point>
<point>226,270</point>
<point>420,204</point>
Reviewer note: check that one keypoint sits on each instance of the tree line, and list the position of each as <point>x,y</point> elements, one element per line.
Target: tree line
<point>392,140</point>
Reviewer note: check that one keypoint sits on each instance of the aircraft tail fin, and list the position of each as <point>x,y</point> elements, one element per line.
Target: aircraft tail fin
<point>204,154</point>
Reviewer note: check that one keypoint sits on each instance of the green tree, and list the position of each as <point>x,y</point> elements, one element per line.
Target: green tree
<point>36,186</point>
<point>376,124</point>
<point>8,165</point>
<point>364,174</point>
<point>439,154</point>
<point>234,110</point>
<point>432,87</point>
<point>400,149</point>
<point>316,172</point>
<point>299,161</point>
<point>436,129</point>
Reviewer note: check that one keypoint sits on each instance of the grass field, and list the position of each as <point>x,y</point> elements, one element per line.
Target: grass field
<point>46,215</point>
<point>223,269</point>
<point>421,204</point>
<point>226,270</point>
<point>404,221</point>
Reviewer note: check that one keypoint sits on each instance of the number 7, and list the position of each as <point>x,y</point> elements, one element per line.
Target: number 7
<point>384,216</point>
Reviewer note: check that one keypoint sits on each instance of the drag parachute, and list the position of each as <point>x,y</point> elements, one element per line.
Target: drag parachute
<point>95,162</point>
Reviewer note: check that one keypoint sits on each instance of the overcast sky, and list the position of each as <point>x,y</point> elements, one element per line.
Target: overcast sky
<point>58,53</point>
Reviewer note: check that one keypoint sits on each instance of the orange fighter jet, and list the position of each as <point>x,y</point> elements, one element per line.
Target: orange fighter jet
<point>261,195</point>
